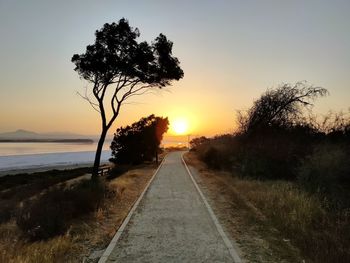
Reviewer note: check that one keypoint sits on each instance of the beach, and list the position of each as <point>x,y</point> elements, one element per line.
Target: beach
<point>34,157</point>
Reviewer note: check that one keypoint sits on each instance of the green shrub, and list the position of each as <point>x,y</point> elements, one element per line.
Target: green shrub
<point>51,213</point>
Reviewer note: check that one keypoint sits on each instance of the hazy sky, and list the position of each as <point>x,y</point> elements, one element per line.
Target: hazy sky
<point>230,51</point>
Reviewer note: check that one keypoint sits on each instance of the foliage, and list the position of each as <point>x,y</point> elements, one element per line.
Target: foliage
<point>44,179</point>
<point>327,172</point>
<point>16,188</point>
<point>215,152</point>
<point>51,213</point>
<point>118,63</point>
<point>278,140</point>
<point>283,106</point>
<point>140,141</point>
<point>196,142</point>
<point>321,235</point>
<point>273,133</point>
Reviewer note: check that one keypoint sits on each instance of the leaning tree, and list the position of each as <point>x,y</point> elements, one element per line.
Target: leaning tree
<point>283,106</point>
<point>119,67</point>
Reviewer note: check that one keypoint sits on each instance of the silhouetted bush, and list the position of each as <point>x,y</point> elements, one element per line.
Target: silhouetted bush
<point>212,158</point>
<point>139,142</point>
<point>6,211</point>
<point>43,179</point>
<point>51,213</point>
<point>216,152</point>
<point>327,172</point>
<point>16,188</point>
<point>277,140</point>
<point>196,142</point>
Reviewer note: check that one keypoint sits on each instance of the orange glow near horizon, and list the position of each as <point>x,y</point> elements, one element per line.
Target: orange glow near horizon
<point>179,126</point>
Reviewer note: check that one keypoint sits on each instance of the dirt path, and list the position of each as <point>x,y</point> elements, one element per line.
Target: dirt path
<point>171,223</point>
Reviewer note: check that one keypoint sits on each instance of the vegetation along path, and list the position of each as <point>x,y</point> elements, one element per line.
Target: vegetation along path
<point>172,223</point>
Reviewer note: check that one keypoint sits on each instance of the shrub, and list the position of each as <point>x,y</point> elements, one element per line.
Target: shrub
<point>211,158</point>
<point>117,171</point>
<point>6,211</point>
<point>217,152</point>
<point>327,172</point>
<point>321,235</point>
<point>50,214</point>
<point>45,217</point>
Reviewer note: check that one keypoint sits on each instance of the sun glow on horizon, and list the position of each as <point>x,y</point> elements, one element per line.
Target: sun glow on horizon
<point>179,126</point>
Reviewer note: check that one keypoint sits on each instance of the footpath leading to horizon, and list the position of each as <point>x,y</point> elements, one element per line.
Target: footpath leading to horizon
<point>171,223</point>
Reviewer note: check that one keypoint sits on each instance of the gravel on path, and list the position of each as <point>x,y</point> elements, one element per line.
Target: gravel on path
<point>171,223</point>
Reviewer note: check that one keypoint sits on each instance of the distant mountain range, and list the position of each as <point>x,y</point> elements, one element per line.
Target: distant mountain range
<point>24,135</point>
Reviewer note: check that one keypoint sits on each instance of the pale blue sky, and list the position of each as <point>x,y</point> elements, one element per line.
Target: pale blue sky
<point>231,51</point>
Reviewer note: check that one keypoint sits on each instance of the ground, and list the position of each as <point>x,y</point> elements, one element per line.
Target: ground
<point>171,223</point>
<point>257,240</point>
<point>87,236</point>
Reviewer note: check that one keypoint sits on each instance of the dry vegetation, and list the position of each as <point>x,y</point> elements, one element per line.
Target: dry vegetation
<point>291,167</point>
<point>87,235</point>
<point>274,221</point>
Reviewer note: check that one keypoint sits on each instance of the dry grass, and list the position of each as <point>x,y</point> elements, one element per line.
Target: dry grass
<point>87,237</point>
<point>257,239</point>
<point>289,222</point>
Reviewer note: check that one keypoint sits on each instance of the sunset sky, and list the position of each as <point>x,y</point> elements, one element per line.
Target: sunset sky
<point>230,51</point>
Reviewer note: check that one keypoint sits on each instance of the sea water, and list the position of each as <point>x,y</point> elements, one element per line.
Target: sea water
<point>31,155</point>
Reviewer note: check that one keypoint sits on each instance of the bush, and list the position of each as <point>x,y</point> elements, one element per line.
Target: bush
<point>327,172</point>
<point>51,213</point>
<point>6,211</point>
<point>117,171</point>
<point>217,152</point>
<point>211,158</point>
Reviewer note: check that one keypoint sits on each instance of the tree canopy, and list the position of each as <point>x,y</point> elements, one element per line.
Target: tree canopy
<point>139,141</point>
<point>283,106</point>
<point>117,62</point>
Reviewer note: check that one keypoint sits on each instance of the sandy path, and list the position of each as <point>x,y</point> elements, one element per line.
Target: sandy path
<point>171,223</point>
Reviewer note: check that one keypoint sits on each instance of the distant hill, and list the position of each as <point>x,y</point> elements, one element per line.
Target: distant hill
<point>24,135</point>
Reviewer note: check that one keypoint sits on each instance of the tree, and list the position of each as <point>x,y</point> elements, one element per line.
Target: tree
<point>274,135</point>
<point>279,107</point>
<point>140,141</point>
<point>116,64</point>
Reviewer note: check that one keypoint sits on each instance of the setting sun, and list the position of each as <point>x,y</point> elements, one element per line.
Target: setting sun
<point>179,126</point>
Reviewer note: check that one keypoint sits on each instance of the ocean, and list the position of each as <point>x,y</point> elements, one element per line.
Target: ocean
<point>39,155</point>
<point>21,156</point>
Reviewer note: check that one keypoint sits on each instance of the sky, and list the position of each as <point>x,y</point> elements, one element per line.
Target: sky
<point>230,51</point>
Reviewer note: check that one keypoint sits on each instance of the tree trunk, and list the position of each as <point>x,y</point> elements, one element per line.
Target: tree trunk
<point>98,154</point>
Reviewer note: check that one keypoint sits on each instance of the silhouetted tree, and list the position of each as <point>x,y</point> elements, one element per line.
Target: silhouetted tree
<point>140,141</point>
<point>279,107</point>
<point>274,134</point>
<point>117,65</point>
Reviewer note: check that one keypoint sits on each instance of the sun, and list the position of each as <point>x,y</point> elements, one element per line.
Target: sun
<point>179,126</point>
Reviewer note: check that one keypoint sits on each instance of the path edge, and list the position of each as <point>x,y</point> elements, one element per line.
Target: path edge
<point>228,243</point>
<point>121,229</point>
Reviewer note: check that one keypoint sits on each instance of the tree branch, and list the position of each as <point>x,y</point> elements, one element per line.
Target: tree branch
<point>86,97</point>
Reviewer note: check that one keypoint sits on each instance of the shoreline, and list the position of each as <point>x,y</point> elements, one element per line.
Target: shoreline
<point>41,168</point>
<point>30,163</point>
<point>82,141</point>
